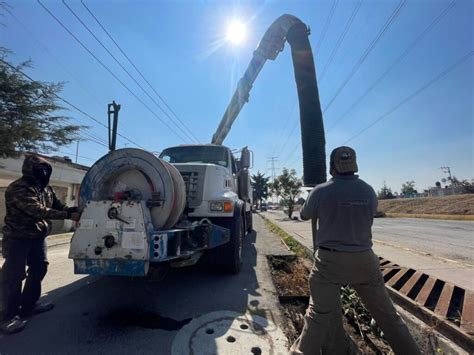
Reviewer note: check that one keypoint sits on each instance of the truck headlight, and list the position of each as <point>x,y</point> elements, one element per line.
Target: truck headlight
<point>221,206</point>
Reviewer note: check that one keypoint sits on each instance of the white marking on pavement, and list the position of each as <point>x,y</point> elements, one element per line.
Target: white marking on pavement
<point>421,253</point>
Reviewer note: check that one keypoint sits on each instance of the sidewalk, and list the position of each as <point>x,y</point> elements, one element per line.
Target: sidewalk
<point>455,272</point>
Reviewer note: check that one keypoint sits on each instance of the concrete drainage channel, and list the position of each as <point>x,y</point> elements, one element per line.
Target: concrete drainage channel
<point>226,332</point>
<point>447,308</point>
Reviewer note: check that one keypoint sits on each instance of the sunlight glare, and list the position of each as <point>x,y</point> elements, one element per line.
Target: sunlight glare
<point>236,32</point>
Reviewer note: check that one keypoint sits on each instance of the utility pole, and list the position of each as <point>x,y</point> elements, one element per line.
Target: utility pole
<point>273,169</point>
<point>113,110</point>
<point>77,150</point>
<point>447,170</point>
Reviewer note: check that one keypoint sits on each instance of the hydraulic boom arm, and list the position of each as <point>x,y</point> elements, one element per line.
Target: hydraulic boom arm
<point>287,28</point>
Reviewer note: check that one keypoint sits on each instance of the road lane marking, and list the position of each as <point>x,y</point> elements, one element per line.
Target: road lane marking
<point>421,253</point>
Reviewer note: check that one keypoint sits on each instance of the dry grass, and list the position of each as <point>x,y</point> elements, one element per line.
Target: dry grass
<point>443,206</point>
<point>290,275</point>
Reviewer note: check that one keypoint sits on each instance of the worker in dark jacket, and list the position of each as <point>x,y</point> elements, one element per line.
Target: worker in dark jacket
<point>342,211</point>
<point>30,206</point>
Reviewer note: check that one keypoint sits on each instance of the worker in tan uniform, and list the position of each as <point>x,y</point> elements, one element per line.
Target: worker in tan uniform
<point>341,211</point>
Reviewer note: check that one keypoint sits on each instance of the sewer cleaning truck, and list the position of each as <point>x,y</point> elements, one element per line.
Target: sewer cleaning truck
<point>140,211</point>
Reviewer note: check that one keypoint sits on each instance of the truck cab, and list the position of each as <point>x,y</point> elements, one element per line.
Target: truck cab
<point>217,188</point>
<point>217,183</point>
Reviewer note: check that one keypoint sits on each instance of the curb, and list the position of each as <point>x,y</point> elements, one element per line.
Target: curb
<point>442,217</point>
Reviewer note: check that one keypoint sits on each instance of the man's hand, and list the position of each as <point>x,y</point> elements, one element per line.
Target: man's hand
<point>75,216</point>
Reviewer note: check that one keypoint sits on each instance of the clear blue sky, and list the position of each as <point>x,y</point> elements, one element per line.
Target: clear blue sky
<point>180,46</point>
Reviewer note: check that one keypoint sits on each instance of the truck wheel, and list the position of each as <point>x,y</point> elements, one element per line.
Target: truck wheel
<point>249,222</point>
<point>228,258</point>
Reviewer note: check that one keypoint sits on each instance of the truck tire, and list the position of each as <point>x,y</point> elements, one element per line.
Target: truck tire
<point>249,222</point>
<point>228,257</point>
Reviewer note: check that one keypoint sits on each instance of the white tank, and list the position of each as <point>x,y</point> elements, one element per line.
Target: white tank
<point>144,176</point>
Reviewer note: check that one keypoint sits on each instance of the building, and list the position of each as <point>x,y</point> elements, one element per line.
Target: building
<point>65,179</point>
<point>446,191</point>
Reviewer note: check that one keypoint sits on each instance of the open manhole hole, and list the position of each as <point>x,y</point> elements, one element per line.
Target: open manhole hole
<point>226,332</point>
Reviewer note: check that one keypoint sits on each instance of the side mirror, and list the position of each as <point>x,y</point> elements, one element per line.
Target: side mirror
<point>245,159</point>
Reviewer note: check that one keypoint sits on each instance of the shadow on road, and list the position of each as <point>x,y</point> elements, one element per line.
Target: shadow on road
<point>121,315</point>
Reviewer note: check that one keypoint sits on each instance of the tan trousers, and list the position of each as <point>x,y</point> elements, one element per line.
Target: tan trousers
<point>323,317</point>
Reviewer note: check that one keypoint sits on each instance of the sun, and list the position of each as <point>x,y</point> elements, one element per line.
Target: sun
<point>236,32</point>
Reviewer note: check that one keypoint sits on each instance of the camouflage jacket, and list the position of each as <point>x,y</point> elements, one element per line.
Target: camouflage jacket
<point>29,207</point>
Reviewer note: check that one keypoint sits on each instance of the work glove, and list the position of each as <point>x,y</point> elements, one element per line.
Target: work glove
<point>73,213</point>
<point>75,216</point>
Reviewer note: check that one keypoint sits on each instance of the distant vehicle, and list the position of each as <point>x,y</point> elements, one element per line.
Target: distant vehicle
<point>263,206</point>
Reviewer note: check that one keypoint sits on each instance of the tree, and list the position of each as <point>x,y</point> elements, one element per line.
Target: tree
<point>28,119</point>
<point>260,186</point>
<point>467,186</point>
<point>287,186</point>
<point>408,188</point>
<point>385,192</point>
<point>454,181</point>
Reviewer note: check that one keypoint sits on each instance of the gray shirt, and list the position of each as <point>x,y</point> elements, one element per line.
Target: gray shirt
<point>344,207</point>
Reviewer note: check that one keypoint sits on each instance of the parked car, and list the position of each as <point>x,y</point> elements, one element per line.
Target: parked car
<point>263,206</point>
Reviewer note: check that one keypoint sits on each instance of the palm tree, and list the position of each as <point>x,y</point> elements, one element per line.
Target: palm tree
<point>260,187</point>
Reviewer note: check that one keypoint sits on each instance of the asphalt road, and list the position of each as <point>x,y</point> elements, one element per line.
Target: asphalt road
<point>192,308</point>
<point>452,240</point>
<point>443,249</point>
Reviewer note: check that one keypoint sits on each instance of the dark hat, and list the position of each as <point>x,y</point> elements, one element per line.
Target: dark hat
<point>344,160</point>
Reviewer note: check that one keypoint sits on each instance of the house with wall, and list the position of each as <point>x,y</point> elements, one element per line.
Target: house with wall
<point>65,179</point>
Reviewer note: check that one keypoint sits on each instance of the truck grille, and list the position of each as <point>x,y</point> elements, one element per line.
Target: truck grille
<point>191,180</point>
<point>193,176</point>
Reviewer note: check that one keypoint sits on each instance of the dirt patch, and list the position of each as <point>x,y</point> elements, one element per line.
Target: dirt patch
<point>290,276</point>
<point>442,205</point>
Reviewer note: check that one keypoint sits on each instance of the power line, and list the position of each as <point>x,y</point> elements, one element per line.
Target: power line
<point>124,69</point>
<point>369,49</point>
<point>413,95</point>
<point>295,160</point>
<point>326,26</point>
<point>92,138</point>
<point>293,151</point>
<point>109,71</point>
<point>288,138</point>
<point>395,62</point>
<point>74,154</point>
<point>47,50</point>
<point>88,136</point>
<point>340,39</point>
<point>138,71</point>
<point>68,103</point>
<point>284,128</point>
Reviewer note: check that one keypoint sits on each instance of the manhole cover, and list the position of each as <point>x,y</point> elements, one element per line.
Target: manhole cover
<point>226,332</point>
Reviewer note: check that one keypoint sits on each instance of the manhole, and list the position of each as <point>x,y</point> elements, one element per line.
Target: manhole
<point>226,332</point>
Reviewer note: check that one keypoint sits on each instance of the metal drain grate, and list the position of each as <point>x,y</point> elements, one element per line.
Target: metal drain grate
<point>448,307</point>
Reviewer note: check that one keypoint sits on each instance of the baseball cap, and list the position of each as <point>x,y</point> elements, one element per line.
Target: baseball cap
<point>344,159</point>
